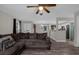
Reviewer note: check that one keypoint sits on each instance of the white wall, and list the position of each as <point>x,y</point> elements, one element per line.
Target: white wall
<point>6,23</point>
<point>76,37</point>
<point>58,36</point>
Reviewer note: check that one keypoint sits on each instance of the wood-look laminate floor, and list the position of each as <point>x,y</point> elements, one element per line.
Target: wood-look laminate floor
<point>57,48</point>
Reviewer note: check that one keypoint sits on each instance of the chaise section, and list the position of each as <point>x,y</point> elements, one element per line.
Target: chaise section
<point>35,43</point>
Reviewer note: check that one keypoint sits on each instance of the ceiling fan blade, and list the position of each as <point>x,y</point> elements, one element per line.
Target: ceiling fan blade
<point>46,10</point>
<point>37,12</point>
<point>49,5</point>
<point>31,6</point>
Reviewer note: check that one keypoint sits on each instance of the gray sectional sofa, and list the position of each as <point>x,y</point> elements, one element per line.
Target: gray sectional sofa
<point>16,43</point>
<point>34,40</point>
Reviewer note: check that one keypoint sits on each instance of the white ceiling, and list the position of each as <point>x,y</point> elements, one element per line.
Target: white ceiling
<point>20,11</point>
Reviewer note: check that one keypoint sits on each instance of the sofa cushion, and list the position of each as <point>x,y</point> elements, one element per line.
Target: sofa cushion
<point>34,43</point>
<point>41,35</point>
<point>15,37</point>
<point>32,36</point>
<point>26,36</point>
<point>19,36</point>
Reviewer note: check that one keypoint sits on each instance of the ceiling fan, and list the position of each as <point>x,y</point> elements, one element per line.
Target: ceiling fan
<point>42,7</point>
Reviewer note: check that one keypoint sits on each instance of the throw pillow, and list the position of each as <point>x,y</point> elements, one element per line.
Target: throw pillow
<point>7,42</point>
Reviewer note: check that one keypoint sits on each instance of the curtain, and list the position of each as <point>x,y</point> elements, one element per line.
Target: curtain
<point>34,28</point>
<point>14,26</point>
<point>20,25</point>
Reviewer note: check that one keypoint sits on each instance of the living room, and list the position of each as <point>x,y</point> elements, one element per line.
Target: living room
<point>58,26</point>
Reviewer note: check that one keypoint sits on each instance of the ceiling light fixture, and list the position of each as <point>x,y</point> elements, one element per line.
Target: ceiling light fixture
<point>40,8</point>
